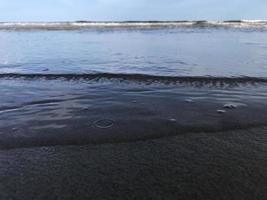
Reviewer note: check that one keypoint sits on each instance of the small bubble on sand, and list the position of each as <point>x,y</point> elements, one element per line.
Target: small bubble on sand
<point>189,101</point>
<point>104,123</point>
<point>85,108</point>
<point>230,106</point>
<point>221,111</point>
<point>172,120</point>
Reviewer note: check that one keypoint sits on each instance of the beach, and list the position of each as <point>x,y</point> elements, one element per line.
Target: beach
<point>219,165</point>
<point>131,110</point>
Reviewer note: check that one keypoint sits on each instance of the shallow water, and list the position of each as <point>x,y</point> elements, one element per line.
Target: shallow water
<point>171,51</point>
<point>114,85</point>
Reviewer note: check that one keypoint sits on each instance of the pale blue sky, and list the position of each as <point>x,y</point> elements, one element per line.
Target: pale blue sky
<point>101,10</point>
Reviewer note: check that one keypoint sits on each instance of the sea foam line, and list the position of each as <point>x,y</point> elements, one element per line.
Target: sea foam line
<point>133,24</point>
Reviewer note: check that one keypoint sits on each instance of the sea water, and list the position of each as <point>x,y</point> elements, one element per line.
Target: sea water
<point>106,84</point>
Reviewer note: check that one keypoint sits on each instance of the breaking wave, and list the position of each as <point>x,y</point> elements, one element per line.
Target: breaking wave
<point>132,24</point>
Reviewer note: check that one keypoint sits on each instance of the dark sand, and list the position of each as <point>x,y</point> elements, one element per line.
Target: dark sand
<point>219,165</point>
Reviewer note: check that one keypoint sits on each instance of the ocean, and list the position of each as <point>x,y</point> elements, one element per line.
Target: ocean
<point>81,83</point>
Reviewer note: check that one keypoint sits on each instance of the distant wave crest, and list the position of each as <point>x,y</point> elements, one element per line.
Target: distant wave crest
<point>132,24</point>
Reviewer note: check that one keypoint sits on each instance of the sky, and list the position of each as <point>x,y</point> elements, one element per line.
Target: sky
<point>122,10</point>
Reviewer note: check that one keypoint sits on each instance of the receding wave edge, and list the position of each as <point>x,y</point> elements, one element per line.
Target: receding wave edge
<point>135,77</point>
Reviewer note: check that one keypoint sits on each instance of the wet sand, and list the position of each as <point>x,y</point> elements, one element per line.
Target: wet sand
<point>218,165</point>
<point>42,112</point>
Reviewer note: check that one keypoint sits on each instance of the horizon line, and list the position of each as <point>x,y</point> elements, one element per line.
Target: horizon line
<point>136,21</point>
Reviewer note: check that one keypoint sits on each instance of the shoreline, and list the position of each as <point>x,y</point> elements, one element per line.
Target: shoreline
<point>113,110</point>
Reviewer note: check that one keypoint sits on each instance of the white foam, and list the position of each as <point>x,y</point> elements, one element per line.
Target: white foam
<point>191,24</point>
